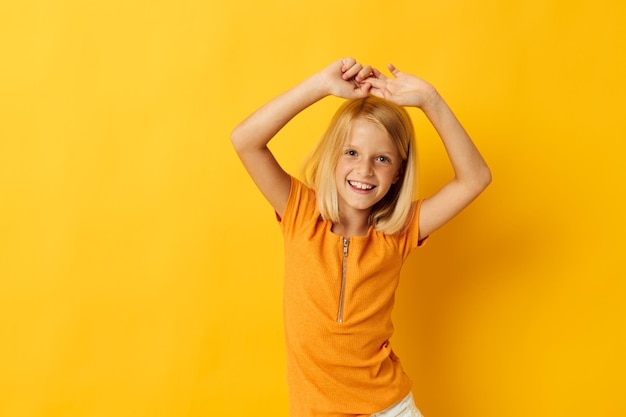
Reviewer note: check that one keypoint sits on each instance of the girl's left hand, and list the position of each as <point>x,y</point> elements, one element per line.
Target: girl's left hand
<point>403,90</point>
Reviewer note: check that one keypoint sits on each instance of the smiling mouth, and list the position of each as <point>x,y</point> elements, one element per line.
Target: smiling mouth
<point>361,185</point>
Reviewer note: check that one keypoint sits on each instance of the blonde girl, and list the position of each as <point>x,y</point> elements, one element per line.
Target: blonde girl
<point>348,227</point>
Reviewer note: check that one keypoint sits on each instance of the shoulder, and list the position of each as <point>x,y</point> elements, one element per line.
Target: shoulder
<point>408,239</point>
<point>301,204</point>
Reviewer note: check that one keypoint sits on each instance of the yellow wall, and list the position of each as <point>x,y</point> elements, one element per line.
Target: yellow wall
<point>141,270</point>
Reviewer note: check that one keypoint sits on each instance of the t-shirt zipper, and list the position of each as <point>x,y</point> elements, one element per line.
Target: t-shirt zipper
<point>346,243</point>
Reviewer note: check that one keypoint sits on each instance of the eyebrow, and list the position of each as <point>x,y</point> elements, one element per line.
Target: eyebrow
<point>383,152</point>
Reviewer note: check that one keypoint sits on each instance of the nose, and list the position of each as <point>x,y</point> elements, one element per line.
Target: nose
<point>364,167</point>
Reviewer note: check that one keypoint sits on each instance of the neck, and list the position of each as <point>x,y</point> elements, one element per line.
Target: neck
<point>348,227</point>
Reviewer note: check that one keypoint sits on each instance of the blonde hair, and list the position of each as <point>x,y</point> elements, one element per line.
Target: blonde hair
<point>393,212</point>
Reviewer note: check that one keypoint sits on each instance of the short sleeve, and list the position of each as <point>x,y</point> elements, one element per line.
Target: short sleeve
<point>301,205</point>
<point>412,233</point>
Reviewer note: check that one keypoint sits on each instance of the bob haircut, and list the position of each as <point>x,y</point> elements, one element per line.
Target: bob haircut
<point>393,212</point>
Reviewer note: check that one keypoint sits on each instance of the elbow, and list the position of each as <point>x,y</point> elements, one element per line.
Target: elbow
<point>234,137</point>
<point>484,178</point>
<point>479,180</point>
<point>237,138</point>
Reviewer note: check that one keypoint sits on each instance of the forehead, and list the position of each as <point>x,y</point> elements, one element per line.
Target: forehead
<point>367,134</point>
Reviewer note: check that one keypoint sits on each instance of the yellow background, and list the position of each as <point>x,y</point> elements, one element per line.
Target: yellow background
<point>141,270</point>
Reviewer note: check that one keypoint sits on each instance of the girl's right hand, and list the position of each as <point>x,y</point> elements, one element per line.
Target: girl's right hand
<point>346,79</point>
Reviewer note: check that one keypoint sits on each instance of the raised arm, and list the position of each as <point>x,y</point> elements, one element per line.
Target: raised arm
<point>471,174</point>
<point>250,138</point>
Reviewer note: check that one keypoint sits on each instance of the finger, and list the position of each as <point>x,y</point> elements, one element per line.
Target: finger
<point>381,79</point>
<point>352,71</point>
<point>347,63</point>
<point>395,71</point>
<point>377,92</point>
<point>359,91</point>
<point>377,82</point>
<point>377,73</point>
<point>364,73</point>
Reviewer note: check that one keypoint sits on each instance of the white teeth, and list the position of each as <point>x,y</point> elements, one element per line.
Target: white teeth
<point>361,185</point>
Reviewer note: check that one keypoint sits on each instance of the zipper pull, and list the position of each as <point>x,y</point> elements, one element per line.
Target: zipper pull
<point>346,241</point>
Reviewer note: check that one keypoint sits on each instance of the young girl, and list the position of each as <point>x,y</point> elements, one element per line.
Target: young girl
<point>349,227</point>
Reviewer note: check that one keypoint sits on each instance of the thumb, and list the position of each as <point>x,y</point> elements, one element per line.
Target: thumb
<point>379,92</point>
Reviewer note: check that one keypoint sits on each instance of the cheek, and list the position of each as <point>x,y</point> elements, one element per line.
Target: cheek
<point>390,174</point>
<point>342,168</point>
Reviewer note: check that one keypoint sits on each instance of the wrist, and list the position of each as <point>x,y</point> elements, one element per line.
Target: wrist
<point>318,85</point>
<point>432,102</point>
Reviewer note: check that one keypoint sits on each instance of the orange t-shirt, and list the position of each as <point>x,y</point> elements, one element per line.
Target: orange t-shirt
<point>339,360</point>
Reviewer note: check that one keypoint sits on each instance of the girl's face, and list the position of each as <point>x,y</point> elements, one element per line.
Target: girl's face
<point>369,164</point>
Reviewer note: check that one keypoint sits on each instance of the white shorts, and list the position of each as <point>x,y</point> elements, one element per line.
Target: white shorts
<point>404,408</point>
